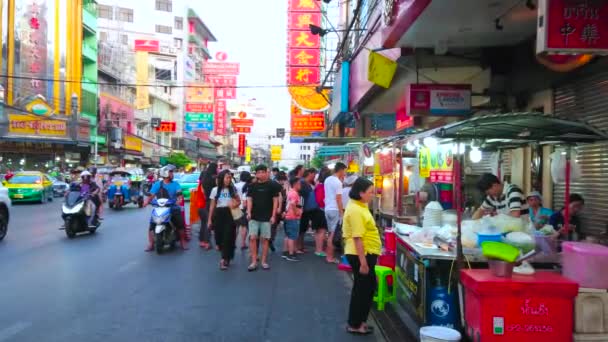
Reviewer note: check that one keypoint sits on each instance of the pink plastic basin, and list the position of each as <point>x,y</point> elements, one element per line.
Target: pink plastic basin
<point>586,263</point>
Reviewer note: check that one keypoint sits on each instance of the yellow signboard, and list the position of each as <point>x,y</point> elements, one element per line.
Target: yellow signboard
<point>247,154</point>
<point>31,125</point>
<point>425,162</point>
<point>133,143</point>
<point>199,93</point>
<point>380,69</point>
<point>39,107</point>
<point>142,100</point>
<point>275,152</point>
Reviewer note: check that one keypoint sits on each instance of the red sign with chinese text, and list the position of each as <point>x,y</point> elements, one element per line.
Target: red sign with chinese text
<point>385,160</point>
<point>242,122</point>
<point>303,5</point>
<point>299,76</point>
<point>403,120</point>
<point>241,129</point>
<point>147,45</point>
<point>219,127</point>
<point>314,122</point>
<point>221,81</point>
<point>199,107</point>
<point>300,20</point>
<point>167,126</point>
<point>442,176</point>
<point>214,68</point>
<point>567,26</point>
<point>224,93</point>
<point>242,145</point>
<point>304,57</point>
<point>304,40</point>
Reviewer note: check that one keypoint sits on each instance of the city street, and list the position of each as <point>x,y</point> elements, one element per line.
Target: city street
<point>104,287</point>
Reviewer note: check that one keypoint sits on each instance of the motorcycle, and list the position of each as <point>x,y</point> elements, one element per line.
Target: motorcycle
<point>165,233</point>
<point>78,215</point>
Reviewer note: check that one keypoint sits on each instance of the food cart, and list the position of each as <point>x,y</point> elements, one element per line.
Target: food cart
<point>428,276</point>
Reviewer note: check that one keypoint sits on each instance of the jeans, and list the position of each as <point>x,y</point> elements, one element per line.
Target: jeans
<point>362,295</point>
<point>204,235</point>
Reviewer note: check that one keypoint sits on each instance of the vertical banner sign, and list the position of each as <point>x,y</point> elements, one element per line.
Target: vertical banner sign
<point>220,117</point>
<point>247,154</point>
<point>275,152</point>
<point>303,47</point>
<point>32,26</point>
<point>142,100</point>
<point>242,145</point>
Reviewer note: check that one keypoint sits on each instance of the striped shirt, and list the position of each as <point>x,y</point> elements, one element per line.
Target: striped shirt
<point>512,199</point>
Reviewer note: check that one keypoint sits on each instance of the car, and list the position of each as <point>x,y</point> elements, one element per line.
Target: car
<point>5,206</point>
<point>59,187</point>
<point>188,182</point>
<point>30,186</point>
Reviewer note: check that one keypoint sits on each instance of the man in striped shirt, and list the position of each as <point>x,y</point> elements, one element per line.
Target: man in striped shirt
<point>501,198</point>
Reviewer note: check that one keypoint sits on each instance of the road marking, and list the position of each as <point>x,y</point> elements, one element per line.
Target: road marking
<point>127,266</point>
<point>13,330</point>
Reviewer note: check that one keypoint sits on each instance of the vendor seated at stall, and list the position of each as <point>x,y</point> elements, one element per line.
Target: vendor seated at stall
<point>539,215</point>
<point>577,203</point>
<point>501,198</point>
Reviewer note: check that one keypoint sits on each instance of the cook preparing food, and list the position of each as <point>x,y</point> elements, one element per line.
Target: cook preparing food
<point>501,198</point>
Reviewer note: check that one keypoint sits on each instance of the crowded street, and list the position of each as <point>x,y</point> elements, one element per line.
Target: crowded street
<point>103,287</point>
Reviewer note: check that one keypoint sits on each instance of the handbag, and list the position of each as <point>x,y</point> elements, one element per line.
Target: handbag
<point>236,212</point>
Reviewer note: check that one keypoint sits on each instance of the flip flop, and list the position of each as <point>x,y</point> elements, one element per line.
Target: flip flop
<point>265,267</point>
<point>320,254</point>
<point>223,265</point>
<point>335,261</point>
<point>358,332</point>
<point>252,267</point>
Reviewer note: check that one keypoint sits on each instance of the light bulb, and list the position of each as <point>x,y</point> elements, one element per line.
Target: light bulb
<point>430,142</point>
<point>368,161</point>
<point>410,147</point>
<point>475,155</point>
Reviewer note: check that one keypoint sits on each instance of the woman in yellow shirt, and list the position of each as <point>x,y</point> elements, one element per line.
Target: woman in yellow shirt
<point>362,246</point>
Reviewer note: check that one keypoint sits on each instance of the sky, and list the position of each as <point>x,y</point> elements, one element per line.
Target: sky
<point>253,33</point>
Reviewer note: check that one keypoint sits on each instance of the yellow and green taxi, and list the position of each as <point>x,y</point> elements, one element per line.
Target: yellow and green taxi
<point>188,182</point>
<point>30,186</point>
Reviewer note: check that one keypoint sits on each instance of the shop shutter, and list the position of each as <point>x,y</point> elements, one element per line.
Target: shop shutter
<point>484,166</point>
<point>586,100</point>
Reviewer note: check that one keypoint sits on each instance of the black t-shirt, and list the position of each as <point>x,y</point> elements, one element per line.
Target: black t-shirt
<point>262,196</point>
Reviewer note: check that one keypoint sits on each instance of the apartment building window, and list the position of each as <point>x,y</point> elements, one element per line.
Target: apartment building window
<point>125,14</point>
<point>164,29</point>
<point>103,36</point>
<point>164,5</point>
<point>179,23</point>
<point>177,43</point>
<point>104,11</point>
<point>124,39</point>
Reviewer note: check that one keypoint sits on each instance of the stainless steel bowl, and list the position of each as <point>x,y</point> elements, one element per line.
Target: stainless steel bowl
<point>501,268</point>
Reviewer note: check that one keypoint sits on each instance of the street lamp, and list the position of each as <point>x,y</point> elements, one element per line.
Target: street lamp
<point>319,31</point>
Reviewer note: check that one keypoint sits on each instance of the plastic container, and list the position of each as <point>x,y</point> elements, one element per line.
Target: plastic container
<point>524,308</point>
<point>501,268</point>
<point>483,237</point>
<point>499,251</point>
<point>439,334</point>
<point>586,264</point>
<point>390,242</point>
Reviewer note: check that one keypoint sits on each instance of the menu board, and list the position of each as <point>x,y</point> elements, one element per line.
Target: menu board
<point>410,274</point>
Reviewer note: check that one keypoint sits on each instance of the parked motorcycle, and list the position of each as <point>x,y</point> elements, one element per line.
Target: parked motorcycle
<point>165,233</point>
<point>79,215</point>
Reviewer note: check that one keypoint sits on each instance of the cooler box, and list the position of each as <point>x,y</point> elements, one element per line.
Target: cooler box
<point>534,308</point>
<point>585,263</point>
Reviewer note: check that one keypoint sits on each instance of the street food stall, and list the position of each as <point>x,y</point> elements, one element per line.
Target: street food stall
<point>431,254</point>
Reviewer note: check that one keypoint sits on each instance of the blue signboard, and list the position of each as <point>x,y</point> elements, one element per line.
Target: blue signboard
<point>198,126</point>
<point>300,139</point>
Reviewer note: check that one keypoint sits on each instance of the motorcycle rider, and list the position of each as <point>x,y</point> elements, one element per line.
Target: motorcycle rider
<point>167,188</point>
<point>89,187</point>
<point>99,183</point>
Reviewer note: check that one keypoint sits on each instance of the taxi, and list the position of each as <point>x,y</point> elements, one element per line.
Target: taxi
<point>29,186</point>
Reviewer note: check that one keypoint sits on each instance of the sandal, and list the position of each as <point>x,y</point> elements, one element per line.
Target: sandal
<point>320,254</point>
<point>265,266</point>
<point>334,261</point>
<point>252,267</point>
<point>223,266</point>
<point>367,331</point>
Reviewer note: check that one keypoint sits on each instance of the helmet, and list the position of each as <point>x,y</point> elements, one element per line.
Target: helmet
<point>85,173</point>
<point>93,170</point>
<point>164,171</point>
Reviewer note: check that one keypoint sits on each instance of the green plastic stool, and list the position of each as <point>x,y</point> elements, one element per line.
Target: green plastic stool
<point>382,294</point>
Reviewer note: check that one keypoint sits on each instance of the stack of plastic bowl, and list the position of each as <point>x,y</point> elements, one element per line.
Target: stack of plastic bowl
<point>432,215</point>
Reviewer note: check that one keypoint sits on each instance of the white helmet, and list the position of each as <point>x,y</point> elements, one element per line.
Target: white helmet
<point>164,171</point>
<point>85,173</point>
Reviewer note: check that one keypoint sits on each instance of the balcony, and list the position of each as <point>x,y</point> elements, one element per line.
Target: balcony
<point>89,86</point>
<point>89,52</point>
<point>89,18</point>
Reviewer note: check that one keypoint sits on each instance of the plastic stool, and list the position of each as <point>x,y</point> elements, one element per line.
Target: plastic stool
<point>382,295</point>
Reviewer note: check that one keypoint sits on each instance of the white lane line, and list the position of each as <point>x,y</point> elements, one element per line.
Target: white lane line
<point>13,330</point>
<point>127,266</point>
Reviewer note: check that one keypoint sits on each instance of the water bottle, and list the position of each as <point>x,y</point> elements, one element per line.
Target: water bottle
<point>442,307</point>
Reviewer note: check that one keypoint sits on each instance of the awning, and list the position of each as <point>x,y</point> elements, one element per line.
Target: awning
<point>330,151</point>
<point>335,140</point>
<point>517,129</point>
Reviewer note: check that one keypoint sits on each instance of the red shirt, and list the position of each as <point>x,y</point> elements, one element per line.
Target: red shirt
<point>320,195</point>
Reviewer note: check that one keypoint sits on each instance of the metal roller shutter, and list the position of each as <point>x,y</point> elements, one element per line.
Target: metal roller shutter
<point>484,166</point>
<point>587,99</point>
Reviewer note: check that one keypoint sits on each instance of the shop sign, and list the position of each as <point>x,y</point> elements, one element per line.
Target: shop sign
<point>402,120</point>
<point>19,124</point>
<point>304,40</point>
<point>28,147</point>
<point>571,26</point>
<point>304,57</point>
<point>147,45</point>
<point>314,122</point>
<point>242,145</point>
<point>437,163</point>
<point>167,127</point>
<point>215,68</point>
<point>39,106</point>
<point>410,281</point>
<point>198,126</point>
<point>220,117</point>
<point>275,152</point>
<point>32,29</point>
<point>302,6</point>
<point>385,160</point>
<point>84,132</point>
<point>199,93</point>
<point>241,122</point>
<point>224,93</point>
<point>300,20</point>
<point>221,80</point>
<point>199,117</point>
<point>438,99</point>
<point>199,107</point>
<point>241,129</point>
<point>133,143</point>
<point>247,154</point>
<point>424,163</point>
<point>303,76</point>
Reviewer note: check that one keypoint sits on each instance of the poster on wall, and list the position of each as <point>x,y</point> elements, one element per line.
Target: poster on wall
<point>438,99</point>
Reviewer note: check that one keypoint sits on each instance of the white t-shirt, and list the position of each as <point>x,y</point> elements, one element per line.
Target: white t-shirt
<point>345,197</point>
<point>223,200</point>
<point>239,190</point>
<point>333,187</point>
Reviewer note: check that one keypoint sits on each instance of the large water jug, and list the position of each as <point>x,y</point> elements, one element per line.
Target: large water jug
<point>442,307</point>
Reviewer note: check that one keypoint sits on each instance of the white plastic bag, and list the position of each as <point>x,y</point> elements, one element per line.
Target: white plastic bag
<point>558,166</point>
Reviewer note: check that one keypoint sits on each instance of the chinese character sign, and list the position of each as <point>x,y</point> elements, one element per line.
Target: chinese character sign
<point>313,122</point>
<point>303,6</point>
<point>199,93</point>
<point>304,76</point>
<point>220,120</point>
<point>242,145</point>
<point>300,21</point>
<point>221,68</point>
<point>167,127</point>
<point>221,81</point>
<point>303,47</point>
<point>199,107</point>
<point>567,26</point>
<point>32,27</point>
<point>224,93</point>
<point>304,40</point>
<point>304,57</point>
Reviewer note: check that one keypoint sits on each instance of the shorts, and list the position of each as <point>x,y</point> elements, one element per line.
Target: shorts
<point>333,220</point>
<point>242,222</point>
<point>292,229</point>
<point>316,217</point>
<point>259,229</point>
